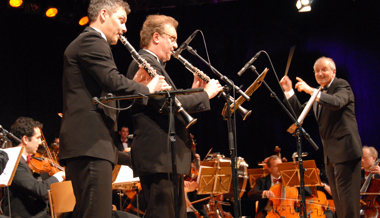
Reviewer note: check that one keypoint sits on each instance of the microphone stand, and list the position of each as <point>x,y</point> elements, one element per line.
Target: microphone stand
<point>221,76</point>
<point>231,132</point>
<point>299,143</point>
<point>170,95</point>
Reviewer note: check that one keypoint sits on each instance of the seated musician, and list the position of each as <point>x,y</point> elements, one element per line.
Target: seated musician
<point>261,190</point>
<point>368,162</point>
<point>28,195</point>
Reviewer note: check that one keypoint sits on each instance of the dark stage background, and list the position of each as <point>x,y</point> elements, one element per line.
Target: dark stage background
<point>348,31</point>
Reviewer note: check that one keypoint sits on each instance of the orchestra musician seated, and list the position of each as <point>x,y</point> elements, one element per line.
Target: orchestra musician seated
<point>261,192</point>
<point>368,161</point>
<point>28,196</point>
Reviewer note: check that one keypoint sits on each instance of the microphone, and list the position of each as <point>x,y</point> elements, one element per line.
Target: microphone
<point>246,66</point>
<point>184,44</point>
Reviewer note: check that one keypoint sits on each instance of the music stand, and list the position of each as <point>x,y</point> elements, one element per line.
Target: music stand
<point>290,174</point>
<point>256,173</point>
<point>214,180</point>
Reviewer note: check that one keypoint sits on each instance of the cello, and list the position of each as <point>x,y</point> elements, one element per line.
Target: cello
<point>284,203</point>
<point>370,202</point>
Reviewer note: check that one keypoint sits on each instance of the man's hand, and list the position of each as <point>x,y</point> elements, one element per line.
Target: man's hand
<point>268,194</point>
<point>213,88</point>
<point>286,84</point>
<point>375,169</point>
<point>158,83</point>
<point>302,86</point>
<point>198,82</point>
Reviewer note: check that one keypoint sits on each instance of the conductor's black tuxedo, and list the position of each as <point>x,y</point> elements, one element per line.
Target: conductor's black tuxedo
<point>28,196</point>
<point>341,144</point>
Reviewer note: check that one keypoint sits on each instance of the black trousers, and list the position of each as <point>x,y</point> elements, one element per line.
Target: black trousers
<point>344,180</point>
<point>158,192</point>
<point>92,184</point>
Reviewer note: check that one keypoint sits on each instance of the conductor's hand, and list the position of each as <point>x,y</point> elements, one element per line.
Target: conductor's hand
<point>286,84</point>
<point>302,86</point>
<point>269,194</point>
<point>213,88</point>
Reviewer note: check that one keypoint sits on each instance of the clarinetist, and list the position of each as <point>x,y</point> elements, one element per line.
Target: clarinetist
<point>87,148</point>
<point>151,157</point>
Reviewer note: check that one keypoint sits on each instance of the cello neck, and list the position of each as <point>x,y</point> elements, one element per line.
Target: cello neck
<point>368,180</point>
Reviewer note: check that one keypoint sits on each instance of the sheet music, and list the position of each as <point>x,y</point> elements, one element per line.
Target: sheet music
<point>14,155</point>
<point>125,176</point>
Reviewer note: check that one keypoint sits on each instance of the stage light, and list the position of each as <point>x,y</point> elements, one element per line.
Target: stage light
<point>15,3</point>
<point>51,12</point>
<point>83,21</point>
<point>304,5</point>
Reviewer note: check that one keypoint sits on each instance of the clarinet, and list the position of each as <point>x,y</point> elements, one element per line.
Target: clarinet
<point>244,112</point>
<point>152,73</point>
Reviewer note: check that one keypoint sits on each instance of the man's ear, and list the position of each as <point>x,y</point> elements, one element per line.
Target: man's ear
<point>156,37</point>
<point>103,15</point>
<point>24,139</point>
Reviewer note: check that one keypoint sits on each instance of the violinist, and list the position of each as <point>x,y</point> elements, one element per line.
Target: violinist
<point>28,195</point>
<point>368,161</point>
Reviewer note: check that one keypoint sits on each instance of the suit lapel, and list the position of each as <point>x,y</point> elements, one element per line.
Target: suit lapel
<point>162,69</point>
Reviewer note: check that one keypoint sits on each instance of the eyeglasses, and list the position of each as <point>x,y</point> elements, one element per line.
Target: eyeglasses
<point>323,70</point>
<point>173,39</point>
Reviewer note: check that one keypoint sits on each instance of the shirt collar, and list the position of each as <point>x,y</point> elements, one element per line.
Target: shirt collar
<point>153,54</point>
<point>101,33</point>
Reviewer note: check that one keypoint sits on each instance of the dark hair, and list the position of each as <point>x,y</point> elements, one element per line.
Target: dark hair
<point>273,157</point>
<point>24,126</point>
<point>111,6</point>
<point>152,24</point>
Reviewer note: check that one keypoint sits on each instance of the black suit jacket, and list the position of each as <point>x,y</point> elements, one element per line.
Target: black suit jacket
<point>28,196</point>
<point>337,122</point>
<point>150,148</point>
<point>89,71</point>
<point>255,194</point>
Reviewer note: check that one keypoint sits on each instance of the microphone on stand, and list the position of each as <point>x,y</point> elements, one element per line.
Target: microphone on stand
<point>184,45</point>
<point>249,63</point>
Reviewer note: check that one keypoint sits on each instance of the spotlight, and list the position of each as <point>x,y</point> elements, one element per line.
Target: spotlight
<point>51,12</point>
<point>83,21</point>
<point>304,5</point>
<point>15,3</point>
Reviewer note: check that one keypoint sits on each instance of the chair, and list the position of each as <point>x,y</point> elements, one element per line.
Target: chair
<point>61,198</point>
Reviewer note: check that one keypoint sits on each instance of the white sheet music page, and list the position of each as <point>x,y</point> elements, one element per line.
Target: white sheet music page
<point>14,155</point>
<point>125,176</point>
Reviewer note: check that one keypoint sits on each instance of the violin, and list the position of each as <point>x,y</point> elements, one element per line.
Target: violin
<point>39,164</point>
<point>317,205</point>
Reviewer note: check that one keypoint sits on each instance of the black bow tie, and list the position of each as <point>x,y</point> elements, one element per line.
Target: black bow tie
<point>325,89</point>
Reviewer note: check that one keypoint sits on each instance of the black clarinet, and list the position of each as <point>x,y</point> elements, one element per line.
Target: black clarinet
<point>152,73</point>
<point>243,112</point>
